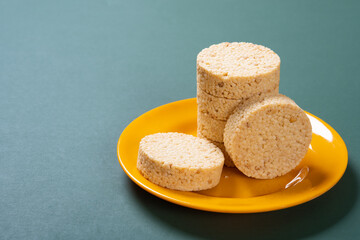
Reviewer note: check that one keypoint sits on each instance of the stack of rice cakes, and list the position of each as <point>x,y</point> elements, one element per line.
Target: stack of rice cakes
<point>228,75</point>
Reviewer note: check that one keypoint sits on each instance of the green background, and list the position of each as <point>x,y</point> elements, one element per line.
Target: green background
<point>73,74</point>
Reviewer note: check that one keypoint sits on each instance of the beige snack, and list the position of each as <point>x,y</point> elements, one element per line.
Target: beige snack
<point>216,107</point>
<point>228,162</point>
<point>221,108</point>
<point>210,128</point>
<point>180,161</point>
<point>237,70</point>
<point>269,138</point>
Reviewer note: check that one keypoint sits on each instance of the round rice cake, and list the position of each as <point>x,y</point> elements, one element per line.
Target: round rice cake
<point>237,70</point>
<point>180,161</point>
<point>269,138</point>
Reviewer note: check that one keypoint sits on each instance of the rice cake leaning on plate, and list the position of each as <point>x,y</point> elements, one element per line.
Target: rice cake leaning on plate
<point>269,138</point>
<point>180,161</point>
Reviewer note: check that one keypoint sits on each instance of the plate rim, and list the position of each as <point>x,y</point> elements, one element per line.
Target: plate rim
<point>227,209</point>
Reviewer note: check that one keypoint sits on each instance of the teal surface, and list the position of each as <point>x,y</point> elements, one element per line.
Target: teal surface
<point>73,74</point>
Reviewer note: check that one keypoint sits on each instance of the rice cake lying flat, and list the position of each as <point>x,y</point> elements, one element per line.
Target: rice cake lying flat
<point>180,161</point>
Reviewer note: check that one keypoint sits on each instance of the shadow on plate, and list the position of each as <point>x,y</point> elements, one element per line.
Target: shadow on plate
<point>301,221</point>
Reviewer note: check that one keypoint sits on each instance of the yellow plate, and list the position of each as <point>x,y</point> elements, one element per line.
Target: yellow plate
<point>322,167</point>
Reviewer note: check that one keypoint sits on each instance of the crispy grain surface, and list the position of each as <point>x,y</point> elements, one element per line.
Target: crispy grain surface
<point>180,161</point>
<point>221,108</point>
<point>237,70</point>
<point>269,138</point>
<point>210,128</point>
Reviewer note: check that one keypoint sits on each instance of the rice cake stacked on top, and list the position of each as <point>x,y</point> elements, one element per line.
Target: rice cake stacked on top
<point>228,74</point>
<point>267,138</point>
